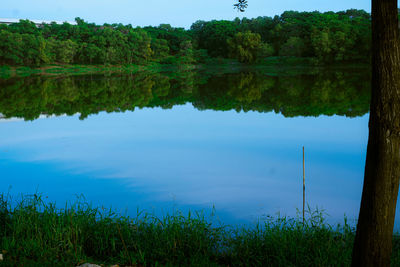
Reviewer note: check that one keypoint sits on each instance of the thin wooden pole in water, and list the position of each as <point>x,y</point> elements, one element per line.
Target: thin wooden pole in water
<point>304,185</point>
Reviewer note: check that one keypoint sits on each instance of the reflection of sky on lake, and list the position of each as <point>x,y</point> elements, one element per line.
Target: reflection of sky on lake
<point>246,164</point>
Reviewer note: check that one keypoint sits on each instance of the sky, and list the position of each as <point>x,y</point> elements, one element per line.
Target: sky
<point>178,13</point>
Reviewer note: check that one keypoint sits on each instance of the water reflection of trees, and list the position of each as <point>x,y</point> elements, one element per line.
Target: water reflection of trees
<point>331,93</point>
<point>301,95</point>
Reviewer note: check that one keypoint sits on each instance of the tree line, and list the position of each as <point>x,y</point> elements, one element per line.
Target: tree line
<point>325,37</point>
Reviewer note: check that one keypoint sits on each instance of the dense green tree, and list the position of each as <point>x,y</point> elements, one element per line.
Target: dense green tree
<point>23,49</point>
<point>186,52</point>
<point>11,48</point>
<point>245,46</point>
<point>328,37</point>
<point>62,51</point>
<point>24,26</point>
<point>213,36</point>
<point>294,46</point>
<point>322,44</point>
<point>331,46</point>
<point>160,48</point>
<point>140,45</point>
<point>89,53</point>
<point>173,36</point>
<point>261,25</point>
<point>266,50</point>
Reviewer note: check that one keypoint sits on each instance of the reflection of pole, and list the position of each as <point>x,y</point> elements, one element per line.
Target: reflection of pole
<point>304,185</point>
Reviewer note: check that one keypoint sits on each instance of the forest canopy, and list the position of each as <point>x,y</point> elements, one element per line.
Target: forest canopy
<point>325,37</point>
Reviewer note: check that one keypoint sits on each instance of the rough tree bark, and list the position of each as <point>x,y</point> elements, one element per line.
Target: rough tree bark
<point>373,242</point>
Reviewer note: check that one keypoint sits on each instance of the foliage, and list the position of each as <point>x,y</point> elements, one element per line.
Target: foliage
<point>265,50</point>
<point>62,51</point>
<point>245,46</point>
<point>186,52</point>
<point>328,37</point>
<point>213,36</point>
<point>160,48</point>
<point>294,46</point>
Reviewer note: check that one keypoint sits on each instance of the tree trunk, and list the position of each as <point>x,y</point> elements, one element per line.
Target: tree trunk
<point>373,242</point>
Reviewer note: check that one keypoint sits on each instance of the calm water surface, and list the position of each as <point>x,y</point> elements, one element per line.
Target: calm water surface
<point>161,142</point>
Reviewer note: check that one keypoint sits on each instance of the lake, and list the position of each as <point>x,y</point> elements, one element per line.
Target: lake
<point>168,141</point>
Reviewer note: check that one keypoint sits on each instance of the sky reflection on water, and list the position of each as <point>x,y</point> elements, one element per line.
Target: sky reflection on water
<point>246,164</point>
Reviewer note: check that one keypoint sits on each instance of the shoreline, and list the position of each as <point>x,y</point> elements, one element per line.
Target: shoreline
<point>34,231</point>
<point>273,63</point>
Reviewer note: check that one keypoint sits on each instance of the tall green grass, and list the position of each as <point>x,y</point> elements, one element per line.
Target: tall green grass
<point>34,232</point>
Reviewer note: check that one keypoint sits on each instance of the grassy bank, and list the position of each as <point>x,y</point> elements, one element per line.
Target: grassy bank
<point>211,64</point>
<point>34,233</point>
<point>22,71</point>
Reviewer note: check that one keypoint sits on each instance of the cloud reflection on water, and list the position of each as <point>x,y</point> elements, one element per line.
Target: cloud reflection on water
<point>246,164</point>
